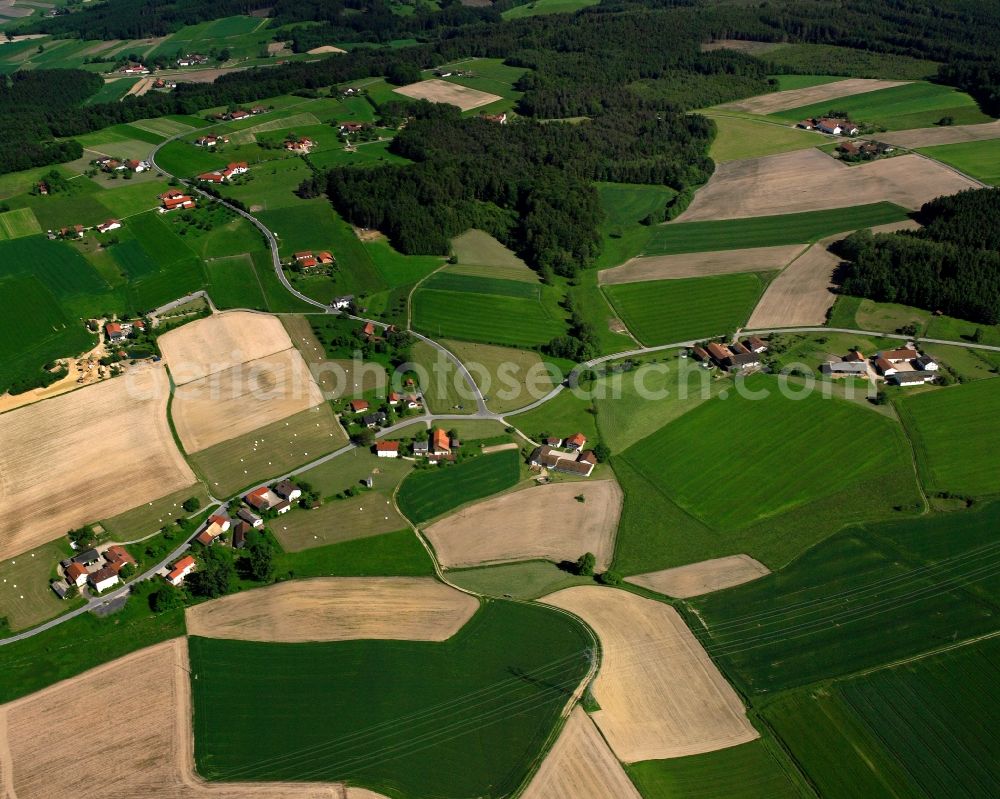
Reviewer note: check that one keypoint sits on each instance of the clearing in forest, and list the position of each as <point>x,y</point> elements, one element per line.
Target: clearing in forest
<point>441,91</point>
<point>701,264</point>
<point>793,98</point>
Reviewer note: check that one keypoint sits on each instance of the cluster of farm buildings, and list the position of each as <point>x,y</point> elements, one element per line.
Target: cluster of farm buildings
<point>223,175</point>
<point>239,113</point>
<point>438,447</point>
<point>735,357</point>
<point>564,455</point>
<point>833,127</point>
<point>97,570</point>
<point>307,259</point>
<point>173,199</point>
<point>902,367</point>
<point>108,164</point>
<point>77,231</point>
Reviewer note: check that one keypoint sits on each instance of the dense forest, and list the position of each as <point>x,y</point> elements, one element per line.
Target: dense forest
<point>951,265</point>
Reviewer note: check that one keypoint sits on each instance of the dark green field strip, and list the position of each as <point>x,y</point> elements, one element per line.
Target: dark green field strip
<point>626,204</point>
<point>490,319</point>
<point>161,243</point>
<point>449,281</point>
<point>431,492</point>
<point>232,283</point>
<point>389,554</point>
<point>180,278</point>
<point>747,771</point>
<point>57,265</point>
<point>748,457</point>
<point>869,595</point>
<point>665,311</point>
<point>950,430</point>
<point>460,718</point>
<point>133,258</point>
<point>132,132</point>
<point>768,231</point>
<point>923,729</point>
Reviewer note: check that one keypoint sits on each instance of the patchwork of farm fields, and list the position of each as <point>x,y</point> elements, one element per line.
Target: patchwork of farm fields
<point>432,492</point>
<point>768,231</point>
<point>931,581</point>
<point>667,311</point>
<point>259,728</point>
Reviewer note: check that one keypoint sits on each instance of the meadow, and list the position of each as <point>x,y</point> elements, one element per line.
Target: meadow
<point>627,203</point>
<point>948,429</point>
<point>502,374</point>
<point>932,581</point>
<point>445,389</point>
<point>768,231</point>
<point>560,416</point>
<point>25,596</point>
<point>903,730</point>
<point>980,159</point>
<point>478,253</point>
<point>521,663</point>
<point>431,492</point>
<point>666,311</point>
<point>398,553</point>
<point>17,223</point>
<point>739,137</point>
<point>539,7</point>
<point>751,470</point>
<point>912,105</point>
<point>528,579</point>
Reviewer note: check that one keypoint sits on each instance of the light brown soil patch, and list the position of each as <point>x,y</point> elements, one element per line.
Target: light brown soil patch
<point>86,455</point>
<point>140,87</point>
<point>580,766</point>
<point>142,746</point>
<point>221,341</point>
<point>803,293</point>
<point>810,180</point>
<point>228,404</point>
<point>441,91</point>
<point>499,448</point>
<point>953,134</point>
<point>696,579</point>
<point>740,46</point>
<point>699,264</point>
<point>793,98</point>
<point>337,609</point>
<point>278,48</point>
<point>543,521</point>
<point>660,694</point>
<point>326,48</point>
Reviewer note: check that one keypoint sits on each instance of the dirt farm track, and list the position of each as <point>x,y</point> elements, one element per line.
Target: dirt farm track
<point>145,750</point>
<point>51,483</point>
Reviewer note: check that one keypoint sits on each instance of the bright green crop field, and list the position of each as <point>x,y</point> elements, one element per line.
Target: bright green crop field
<point>539,7</point>
<point>746,456</point>
<point>949,429</point>
<point>430,492</point>
<point>981,159</point>
<point>461,718</point>
<point>667,311</point>
<point>768,231</point>
<point>627,203</point>
<point>930,581</point>
<point>17,223</point>
<point>738,137</point>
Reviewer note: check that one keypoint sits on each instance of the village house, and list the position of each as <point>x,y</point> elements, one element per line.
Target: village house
<point>117,557</point>
<point>60,587</point>
<point>136,166</point>
<point>75,232</point>
<point>282,507</point>
<point>700,354</point>
<point>211,140</point>
<point>359,405</point>
<point>134,69</point>
<point>914,377</point>
<point>235,168</point>
<point>421,449</point>
<point>341,303</point>
<point>741,360</point>
<point>900,355</point>
<point>240,534</point>
<point>247,516</point>
<point>387,449</point>
<point>43,187</point>
<point>173,199</point>
<point>575,441</point>
<point>86,558</point>
<point>352,127</point>
<point>111,224</point>
<point>287,490</point>
<point>262,498</point>
<point>373,420</point>
<point>393,398</point>
<point>884,367</point>
<point>755,345</point>
<point>855,355</point>
<point>103,579</point>
<point>846,368</point>
<point>192,59</point>
<point>440,442</point>
<point>412,401</point>
<point>553,441</point>
<point>237,115</point>
<point>211,177</point>
<point>76,574</point>
<point>299,145</point>
<point>368,331</point>
<point>925,364</point>
<point>180,570</point>
<point>546,457</point>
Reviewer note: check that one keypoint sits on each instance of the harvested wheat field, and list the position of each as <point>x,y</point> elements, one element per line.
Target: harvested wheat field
<point>62,458</point>
<point>326,48</point>
<point>948,134</point>
<point>660,694</point>
<point>803,293</point>
<point>544,521</point>
<point>248,396</point>
<point>793,98</point>
<point>337,609</point>
<point>141,747</point>
<point>696,579</point>
<point>699,264</point>
<point>441,91</point>
<point>580,766</point>
<point>810,180</point>
<point>221,341</point>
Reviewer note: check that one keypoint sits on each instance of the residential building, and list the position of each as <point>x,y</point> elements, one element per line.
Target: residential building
<point>111,224</point>
<point>884,367</point>
<point>718,352</point>
<point>286,489</point>
<point>340,303</point>
<point>74,232</point>
<point>359,405</point>
<point>221,520</point>
<point>741,360</point>
<point>498,119</point>
<point>117,557</point>
<point>114,331</point>
<point>900,355</point>
<point>247,516</point>
<point>756,345</point>
<point>373,420</point>
<point>925,364</point>
<point>387,449</point>
<point>76,574</point>
<point>283,507</point>
<point>846,368</point>
<point>103,579</point>
<point>240,534</point>
<point>351,127</point>
<point>575,441</point>
<point>913,378</point>
<point>262,498</point>
<point>211,177</point>
<point>393,398</point>
<point>180,570</point>
<point>440,443</point>
<point>86,558</point>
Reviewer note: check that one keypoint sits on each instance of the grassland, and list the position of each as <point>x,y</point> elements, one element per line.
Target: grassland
<point>17,223</point>
<point>768,231</point>
<point>740,137</point>
<point>445,389</point>
<point>948,429</point>
<point>980,159</point>
<point>489,310</point>
<point>627,203</point>
<point>564,414</point>
<point>527,580</point>
<point>539,7</point>
<point>665,311</point>
<point>509,378</point>
<point>750,471</point>
<point>345,731</point>
<point>913,105</point>
<point>932,581</point>
<point>233,283</point>
<point>399,553</point>
<point>752,770</point>
<point>431,492</point>
<point>25,596</point>
<point>146,519</point>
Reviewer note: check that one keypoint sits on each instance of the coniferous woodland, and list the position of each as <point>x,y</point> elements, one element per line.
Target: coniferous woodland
<point>951,265</point>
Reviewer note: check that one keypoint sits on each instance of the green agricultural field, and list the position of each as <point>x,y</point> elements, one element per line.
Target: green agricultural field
<point>509,378</point>
<point>177,279</point>
<point>132,258</point>
<point>169,125</point>
<point>768,231</point>
<point>521,661</point>
<point>931,581</point>
<point>739,137</point>
<point>393,554</point>
<point>912,105</point>
<point>981,159</point>
<point>145,519</point>
<point>904,730</point>
<point>131,200</point>
<point>527,580</point>
<point>539,7</point>
<point>666,311</point>
<point>397,269</point>
<point>233,283</point>
<point>490,310</point>
<point>25,596</point>
<point>564,414</point>
<point>750,470</point>
<point>948,429</point>
<point>444,388</point>
<point>754,770</point>
<point>284,445</point>
<point>340,518</point>
<point>787,82</point>
<point>181,157</point>
<point>628,203</point>
<point>18,223</point>
<point>375,153</point>
<point>432,492</point>
<point>845,62</point>
<point>478,253</point>
<point>271,184</point>
<point>80,205</point>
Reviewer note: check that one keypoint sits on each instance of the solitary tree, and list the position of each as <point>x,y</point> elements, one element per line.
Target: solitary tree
<point>585,565</point>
